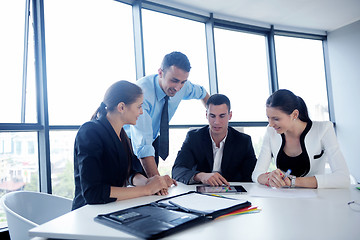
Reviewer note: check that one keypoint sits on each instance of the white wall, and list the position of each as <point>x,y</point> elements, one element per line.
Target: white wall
<point>344,57</point>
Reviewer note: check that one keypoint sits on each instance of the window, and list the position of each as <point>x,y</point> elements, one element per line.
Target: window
<point>30,104</point>
<point>12,21</point>
<point>62,163</point>
<point>188,37</point>
<point>7,143</point>
<point>22,163</point>
<point>1,147</point>
<point>31,147</point>
<point>18,167</point>
<point>89,46</point>
<point>300,64</point>
<point>85,55</point>
<point>18,147</point>
<point>257,135</point>
<point>163,34</point>
<point>176,139</point>
<point>242,73</point>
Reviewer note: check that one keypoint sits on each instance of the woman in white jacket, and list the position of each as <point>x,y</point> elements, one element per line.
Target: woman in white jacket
<point>299,146</point>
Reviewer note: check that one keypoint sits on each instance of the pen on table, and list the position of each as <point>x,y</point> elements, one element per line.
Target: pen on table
<point>287,174</point>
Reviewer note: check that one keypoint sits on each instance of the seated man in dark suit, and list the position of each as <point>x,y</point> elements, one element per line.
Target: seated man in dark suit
<point>217,153</point>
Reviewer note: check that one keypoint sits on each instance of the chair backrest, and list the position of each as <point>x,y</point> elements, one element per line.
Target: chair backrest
<point>25,210</point>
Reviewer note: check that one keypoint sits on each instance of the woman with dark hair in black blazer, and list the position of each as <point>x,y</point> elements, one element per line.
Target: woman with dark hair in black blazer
<point>104,163</point>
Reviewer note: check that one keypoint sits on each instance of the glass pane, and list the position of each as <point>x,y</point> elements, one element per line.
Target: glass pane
<point>30,110</point>
<point>12,21</point>
<point>163,34</point>
<point>300,64</point>
<point>18,164</point>
<point>89,45</point>
<point>242,73</point>
<point>176,139</point>
<point>257,135</point>
<point>62,163</point>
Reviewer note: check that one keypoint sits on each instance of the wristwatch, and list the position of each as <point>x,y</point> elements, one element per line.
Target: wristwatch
<point>292,179</point>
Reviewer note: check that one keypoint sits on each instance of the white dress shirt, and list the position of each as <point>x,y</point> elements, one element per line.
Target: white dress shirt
<point>217,153</point>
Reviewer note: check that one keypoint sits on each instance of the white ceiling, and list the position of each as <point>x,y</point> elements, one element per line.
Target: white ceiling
<point>318,15</point>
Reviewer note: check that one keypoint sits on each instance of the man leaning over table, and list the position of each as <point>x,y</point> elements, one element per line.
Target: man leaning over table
<point>172,83</point>
<point>217,153</point>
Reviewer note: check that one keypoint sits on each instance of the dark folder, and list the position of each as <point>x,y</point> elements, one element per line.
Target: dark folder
<point>170,215</point>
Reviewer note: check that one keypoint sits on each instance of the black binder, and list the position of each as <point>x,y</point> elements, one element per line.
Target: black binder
<point>165,217</point>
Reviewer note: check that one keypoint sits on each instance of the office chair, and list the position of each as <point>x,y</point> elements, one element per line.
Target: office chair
<point>26,210</point>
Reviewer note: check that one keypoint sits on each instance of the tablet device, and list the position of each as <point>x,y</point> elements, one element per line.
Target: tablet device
<point>221,189</point>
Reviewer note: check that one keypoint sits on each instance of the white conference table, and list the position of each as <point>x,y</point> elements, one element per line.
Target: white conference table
<point>325,216</point>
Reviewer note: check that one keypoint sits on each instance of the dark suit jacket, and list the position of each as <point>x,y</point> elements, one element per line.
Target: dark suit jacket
<point>196,155</point>
<point>101,160</point>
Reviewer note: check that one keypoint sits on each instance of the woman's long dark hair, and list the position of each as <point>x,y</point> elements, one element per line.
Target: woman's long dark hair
<point>287,102</point>
<point>121,91</point>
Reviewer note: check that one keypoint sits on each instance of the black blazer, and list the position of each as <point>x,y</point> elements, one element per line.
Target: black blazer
<point>196,155</point>
<point>101,160</point>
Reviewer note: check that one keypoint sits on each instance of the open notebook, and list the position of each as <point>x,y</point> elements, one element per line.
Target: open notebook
<point>167,216</point>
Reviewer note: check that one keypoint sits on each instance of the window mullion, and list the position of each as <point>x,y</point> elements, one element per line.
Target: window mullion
<point>273,77</point>
<point>210,47</point>
<point>328,81</point>
<point>25,61</point>
<point>42,101</point>
<point>138,40</point>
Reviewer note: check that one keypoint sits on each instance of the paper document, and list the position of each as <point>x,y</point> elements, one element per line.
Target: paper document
<point>203,203</point>
<point>264,191</point>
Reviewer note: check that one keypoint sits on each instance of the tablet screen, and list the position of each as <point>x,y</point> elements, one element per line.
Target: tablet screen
<point>221,189</point>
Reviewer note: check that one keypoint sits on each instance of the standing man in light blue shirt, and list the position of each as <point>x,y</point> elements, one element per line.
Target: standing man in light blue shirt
<point>171,81</point>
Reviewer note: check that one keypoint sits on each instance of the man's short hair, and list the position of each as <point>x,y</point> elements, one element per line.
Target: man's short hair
<point>177,59</point>
<point>218,99</point>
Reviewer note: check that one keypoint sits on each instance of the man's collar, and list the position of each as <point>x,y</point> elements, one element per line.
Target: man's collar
<point>222,141</point>
<point>160,94</point>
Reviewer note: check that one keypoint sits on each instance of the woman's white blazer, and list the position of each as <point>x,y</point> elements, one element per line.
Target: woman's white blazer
<point>321,145</point>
